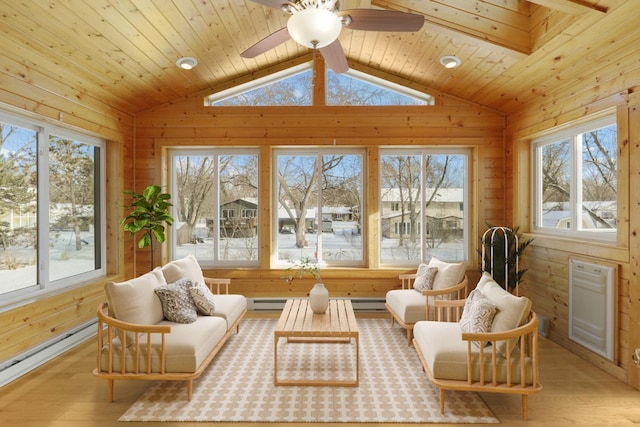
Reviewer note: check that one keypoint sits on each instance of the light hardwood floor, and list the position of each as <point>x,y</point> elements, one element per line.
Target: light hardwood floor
<point>64,393</point>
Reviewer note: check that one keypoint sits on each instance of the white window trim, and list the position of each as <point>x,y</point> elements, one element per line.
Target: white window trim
<point>43,287</point>
<point>281,263</point>
<point>423,224</point>
<point>570,133</point>
<point>213,151</point>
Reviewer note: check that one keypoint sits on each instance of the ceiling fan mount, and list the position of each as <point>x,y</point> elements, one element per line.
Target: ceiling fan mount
<point>317,24</point>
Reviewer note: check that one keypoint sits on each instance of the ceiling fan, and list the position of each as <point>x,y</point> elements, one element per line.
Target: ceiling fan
<point>317,23</point>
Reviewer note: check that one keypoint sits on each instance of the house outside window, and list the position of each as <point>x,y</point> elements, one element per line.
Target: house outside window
<point>317,204</point>
<point>51,207</point>
<point>215,197</point>
<point>423,199</point>
<point>575,178</point>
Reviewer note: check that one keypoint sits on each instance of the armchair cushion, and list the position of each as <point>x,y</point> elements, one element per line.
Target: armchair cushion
<point>449,274</point>
<point>408,304</point>
<point>446,355</point>
<point>512,311</point>
<point>425,277</point>
<point>478,313</point>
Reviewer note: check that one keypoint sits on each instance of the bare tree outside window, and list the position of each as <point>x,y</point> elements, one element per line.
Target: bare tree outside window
<point>319,206</point>
<point>18,208</point>
<point>590,182</point>
<point>212,192</point>
<point>422,206</point>
<point>72,201</point>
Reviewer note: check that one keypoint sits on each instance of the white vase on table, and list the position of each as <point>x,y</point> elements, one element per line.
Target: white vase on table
<point>319,298</point>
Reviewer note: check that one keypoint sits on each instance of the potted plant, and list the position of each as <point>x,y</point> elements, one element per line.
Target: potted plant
<point>502,248</point>
<point>150,212</point>
<point>318,295</point>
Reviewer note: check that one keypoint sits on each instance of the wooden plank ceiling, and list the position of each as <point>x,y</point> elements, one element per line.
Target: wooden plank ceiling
<point>123,52</point>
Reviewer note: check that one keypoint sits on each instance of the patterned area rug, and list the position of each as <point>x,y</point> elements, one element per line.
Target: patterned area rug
<point>238,385</point>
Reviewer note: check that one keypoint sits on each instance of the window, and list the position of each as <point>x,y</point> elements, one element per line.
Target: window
<point>317,205</point>
<point>294,86</point>
<point>216,206</point>
<point>422,205</point>
<point>51,205</point>
<point>575,176</point>
<point>358,88</point>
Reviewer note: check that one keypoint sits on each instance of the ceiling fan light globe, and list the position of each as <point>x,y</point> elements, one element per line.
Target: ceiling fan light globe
<point>314,28</point>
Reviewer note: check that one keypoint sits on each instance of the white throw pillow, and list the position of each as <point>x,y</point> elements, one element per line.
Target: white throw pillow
<point>425,277</point>
<point>203,299</point>
<point>185,268</point>
<point>512,312</point>
<point>477,314</point>
<point>135,301</point>
<point>449,274</point>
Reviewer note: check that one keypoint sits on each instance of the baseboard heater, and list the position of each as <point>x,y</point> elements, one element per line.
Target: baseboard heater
<point>28,360</point>
<point>277,304</point>
<point>592,308</point>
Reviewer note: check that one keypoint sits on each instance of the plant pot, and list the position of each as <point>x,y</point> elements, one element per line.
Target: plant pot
<point>319,298</point>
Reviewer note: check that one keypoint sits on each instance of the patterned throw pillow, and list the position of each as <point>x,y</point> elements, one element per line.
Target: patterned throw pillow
<point>177,304</point>
<point>203,299</point>
<point>425,276</point>
<point>477,314</point>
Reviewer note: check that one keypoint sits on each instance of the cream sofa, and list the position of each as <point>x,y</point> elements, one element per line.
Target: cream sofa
<point>137,341</point>
<point>492,348</point>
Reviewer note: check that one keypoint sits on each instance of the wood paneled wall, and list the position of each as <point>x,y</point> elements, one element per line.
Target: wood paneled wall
<point>547,280</point>
<point>26,324</point>
<point>189,124</point>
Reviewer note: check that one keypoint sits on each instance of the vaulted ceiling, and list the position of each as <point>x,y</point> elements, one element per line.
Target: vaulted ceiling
<point>123,52</point>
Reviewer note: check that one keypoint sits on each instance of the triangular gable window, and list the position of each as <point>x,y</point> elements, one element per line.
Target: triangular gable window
<point>289,87</point>
<point>294,87</point>
<point>358,88</point>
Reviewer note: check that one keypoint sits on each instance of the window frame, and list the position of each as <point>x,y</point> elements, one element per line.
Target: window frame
<point>216,152</point>
<point>276,262</point>
<point>423,224</point>
<point>570,133</point>
<point>44,285</point>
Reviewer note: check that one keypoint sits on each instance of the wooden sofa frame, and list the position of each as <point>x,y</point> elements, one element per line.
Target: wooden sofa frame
<point>455,292</point>
<point>527,340</point>
<point>108,327</point>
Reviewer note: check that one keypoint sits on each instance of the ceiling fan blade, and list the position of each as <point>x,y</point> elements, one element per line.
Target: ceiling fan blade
<point>382,20</point>
<point>334,57</point>
<point>276,4</point>
<point>269,42</point>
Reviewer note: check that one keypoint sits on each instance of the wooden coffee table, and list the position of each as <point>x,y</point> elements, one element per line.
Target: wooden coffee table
<point>299,324</point>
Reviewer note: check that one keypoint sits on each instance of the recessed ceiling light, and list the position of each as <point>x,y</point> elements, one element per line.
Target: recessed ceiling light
<point>187,62</point>
<point>450,61</point>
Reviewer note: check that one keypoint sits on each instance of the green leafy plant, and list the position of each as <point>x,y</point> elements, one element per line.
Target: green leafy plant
<point>302,267</point>
<point>502,249</point>
<point>149,215</point>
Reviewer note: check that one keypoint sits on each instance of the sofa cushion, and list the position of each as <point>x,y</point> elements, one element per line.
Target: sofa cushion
<point>449,274</point>
<point>177,304</point>
<point>408,304</point>
<point>186,346</point>
<point>477,314</point>
<point>445,354</point>
<point>230,307</point>
<point>512,312</point>
<point>135,301</point>
<point>203,299</point>
<point>425,276</point>
<point>186,267</point>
